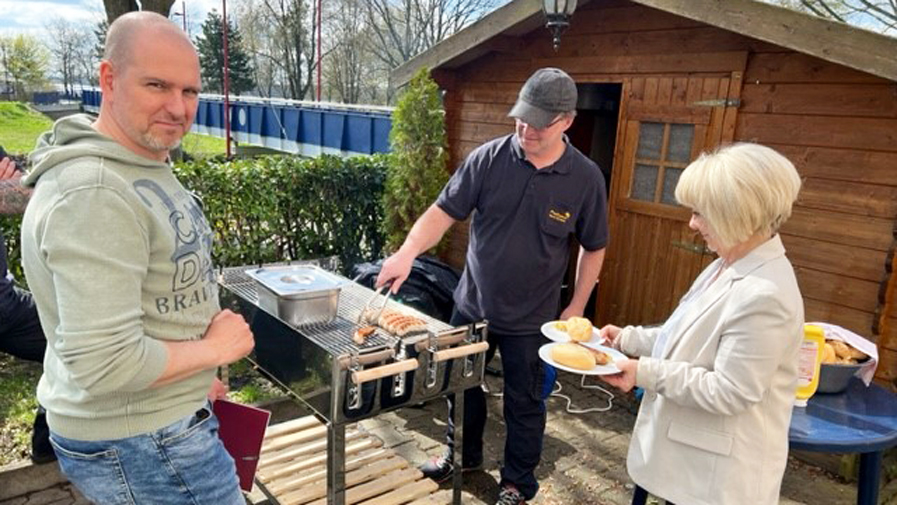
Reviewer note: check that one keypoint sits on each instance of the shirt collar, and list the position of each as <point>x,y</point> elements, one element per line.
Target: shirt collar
<point>561,166</point>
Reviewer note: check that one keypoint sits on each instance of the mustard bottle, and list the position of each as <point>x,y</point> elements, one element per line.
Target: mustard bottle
<point>809,360</point>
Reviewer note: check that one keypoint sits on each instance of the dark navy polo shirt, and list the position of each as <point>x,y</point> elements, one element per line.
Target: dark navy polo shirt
<point>519,235</point>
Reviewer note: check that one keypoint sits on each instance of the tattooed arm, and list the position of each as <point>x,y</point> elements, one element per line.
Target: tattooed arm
<point>13,196</point>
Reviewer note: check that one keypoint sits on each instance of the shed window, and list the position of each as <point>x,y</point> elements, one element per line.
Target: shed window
<point>664,150</point>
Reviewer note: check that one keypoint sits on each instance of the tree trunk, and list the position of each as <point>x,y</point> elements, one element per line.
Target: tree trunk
<point>115,8</point>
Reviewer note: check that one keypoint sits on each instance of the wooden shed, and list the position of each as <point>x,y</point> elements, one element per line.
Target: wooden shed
<point>662,80</point>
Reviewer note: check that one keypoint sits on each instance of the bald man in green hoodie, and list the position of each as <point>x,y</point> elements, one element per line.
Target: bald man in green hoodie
<point>118,256</point>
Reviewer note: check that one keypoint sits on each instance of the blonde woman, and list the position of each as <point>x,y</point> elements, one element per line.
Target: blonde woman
<point>720,374</point>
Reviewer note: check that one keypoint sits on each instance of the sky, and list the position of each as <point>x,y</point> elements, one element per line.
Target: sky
<point>30,16</point>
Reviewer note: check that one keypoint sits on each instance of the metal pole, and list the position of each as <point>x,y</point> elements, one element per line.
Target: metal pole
<point>226,77</point>
<point>184,14</point>
<point>318,91</point>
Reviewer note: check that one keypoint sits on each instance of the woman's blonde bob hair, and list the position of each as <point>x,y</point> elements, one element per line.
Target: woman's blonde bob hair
<point>740,189</point>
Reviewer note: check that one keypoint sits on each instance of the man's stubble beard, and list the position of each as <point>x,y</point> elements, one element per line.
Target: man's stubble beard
<point>154,143</point>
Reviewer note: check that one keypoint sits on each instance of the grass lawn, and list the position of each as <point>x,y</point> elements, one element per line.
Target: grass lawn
<point>203,146</point>
<point>20,127</point>
<point>18,380</point>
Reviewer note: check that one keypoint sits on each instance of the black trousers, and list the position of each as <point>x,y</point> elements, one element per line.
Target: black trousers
<point>525,389</point>
<point>20,331</point>
<point>640,497</point>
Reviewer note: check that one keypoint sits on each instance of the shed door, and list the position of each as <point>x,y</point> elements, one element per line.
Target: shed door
<point>653,257</point>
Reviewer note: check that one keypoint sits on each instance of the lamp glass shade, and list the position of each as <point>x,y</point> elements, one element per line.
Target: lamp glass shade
<point>559,7</point>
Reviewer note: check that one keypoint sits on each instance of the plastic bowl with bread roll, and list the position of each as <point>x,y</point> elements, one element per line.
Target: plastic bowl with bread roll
<point>840,362</point>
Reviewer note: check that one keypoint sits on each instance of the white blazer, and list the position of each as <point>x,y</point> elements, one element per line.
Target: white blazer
<point>713,424</point>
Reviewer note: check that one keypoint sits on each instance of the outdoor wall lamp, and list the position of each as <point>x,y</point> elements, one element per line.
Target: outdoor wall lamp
<point>558,13</point>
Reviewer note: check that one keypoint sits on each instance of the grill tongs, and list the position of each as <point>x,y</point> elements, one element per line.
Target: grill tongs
<point>400,366</point>
<point>375,312</point>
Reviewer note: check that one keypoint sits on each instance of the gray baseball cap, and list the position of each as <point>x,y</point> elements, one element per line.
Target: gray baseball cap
<point>545,95</point>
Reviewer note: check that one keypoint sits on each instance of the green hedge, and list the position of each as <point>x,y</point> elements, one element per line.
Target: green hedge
<point>278,208</point>
<point>10,225</point>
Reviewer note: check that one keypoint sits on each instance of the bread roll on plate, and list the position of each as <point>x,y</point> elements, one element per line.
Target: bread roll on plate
<point>579,329</point>
<point>573,356</point>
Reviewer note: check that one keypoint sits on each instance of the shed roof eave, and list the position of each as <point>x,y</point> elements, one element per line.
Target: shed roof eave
<point>828,40</point>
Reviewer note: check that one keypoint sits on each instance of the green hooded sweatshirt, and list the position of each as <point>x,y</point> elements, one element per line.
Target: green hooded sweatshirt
<point>118,256</point>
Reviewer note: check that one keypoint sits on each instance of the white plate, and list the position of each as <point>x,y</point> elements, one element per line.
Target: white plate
<point>610,368</point>
<point>550,331</point>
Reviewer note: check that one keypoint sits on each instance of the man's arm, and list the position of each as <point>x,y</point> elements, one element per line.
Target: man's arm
<point>227,339</point>
<point>13,196</point>
<point>587,272</point>
<point>425,234</point>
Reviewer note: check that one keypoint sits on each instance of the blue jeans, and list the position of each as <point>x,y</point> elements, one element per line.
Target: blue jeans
<point>182,464</point>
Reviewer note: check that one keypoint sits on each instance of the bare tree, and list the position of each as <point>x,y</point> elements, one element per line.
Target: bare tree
<point>346,59</point>
<point>258,37</point>
<point>877,15</point>
<point>115,8</point>
<point>403,28</point>
<point>71,47</point>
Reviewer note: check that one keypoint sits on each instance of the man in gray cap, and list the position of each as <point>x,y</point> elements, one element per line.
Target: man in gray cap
<point>532,191</point>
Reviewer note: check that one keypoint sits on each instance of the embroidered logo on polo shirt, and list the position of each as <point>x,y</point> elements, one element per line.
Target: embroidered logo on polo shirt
<point>560,217</point>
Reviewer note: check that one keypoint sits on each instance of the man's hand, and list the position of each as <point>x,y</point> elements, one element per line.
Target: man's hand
<point>8,170</point>
<point>218,391</point>
<point>229,336</point>
<point>625,380</point>
<point>396,268</point>
<point>572,310</point>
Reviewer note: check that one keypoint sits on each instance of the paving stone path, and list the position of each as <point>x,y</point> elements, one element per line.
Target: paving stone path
<point>583,463</point>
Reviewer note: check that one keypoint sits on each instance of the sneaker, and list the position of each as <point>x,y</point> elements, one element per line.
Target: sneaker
<point>440,468</point>
<point>41,449</point>
<point>510,495</point>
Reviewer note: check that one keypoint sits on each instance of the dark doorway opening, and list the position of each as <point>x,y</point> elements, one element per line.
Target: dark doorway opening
<point>594,133</point>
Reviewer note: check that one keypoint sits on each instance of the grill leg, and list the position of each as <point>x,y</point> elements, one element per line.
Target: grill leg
<point>458,456</point>
<point>336,464</point>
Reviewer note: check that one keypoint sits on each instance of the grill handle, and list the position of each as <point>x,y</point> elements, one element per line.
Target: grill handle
<point>366,358</point>
<point>379,372</point>
<point>458,352</point>
<point>442,340</point>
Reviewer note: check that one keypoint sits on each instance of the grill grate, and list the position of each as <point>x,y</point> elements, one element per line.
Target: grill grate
<point>336,336</point>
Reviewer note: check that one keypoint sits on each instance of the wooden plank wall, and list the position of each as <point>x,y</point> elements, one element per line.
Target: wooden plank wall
<point>838,126</point>
<point>609,41</point>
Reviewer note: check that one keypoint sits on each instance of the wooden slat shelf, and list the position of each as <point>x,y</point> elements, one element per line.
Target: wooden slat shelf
<point>293,468</point>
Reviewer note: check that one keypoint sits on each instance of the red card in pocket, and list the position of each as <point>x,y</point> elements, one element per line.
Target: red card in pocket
<point>242,429</point>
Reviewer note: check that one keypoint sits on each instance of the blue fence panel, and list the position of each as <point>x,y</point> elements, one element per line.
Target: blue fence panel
<point>239,121</point>
<point>382,127</point>
<point>298,127</point>
<point>292,124</point>
<point>311,133</point>
<point>272,123</point>
<point>256,114</point>
<point>334,123</point>
<point>216,115</point>
<point>358,133</point>
<point>45,97</point>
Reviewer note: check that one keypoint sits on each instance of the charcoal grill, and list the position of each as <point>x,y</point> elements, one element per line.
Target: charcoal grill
<point>320,366</point>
